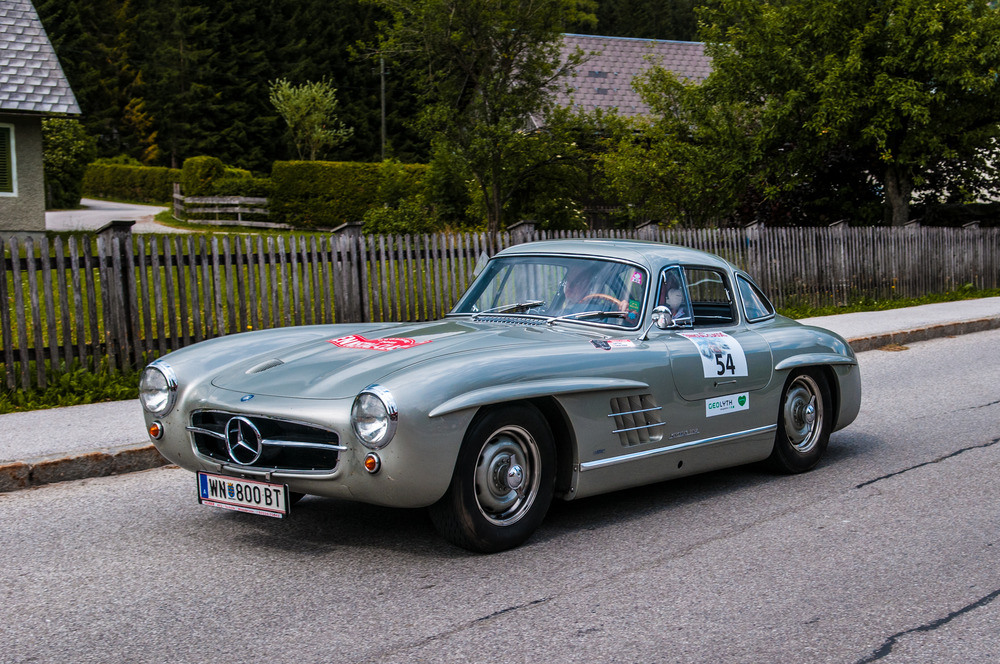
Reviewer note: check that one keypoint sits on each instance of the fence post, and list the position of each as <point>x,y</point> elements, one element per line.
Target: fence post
<point>116,263</point>
<point>523,231</point>
<point>350,236</point>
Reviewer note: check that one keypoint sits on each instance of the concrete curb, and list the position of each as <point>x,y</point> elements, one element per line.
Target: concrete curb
<point>46,470</point>
<point>861,344</point>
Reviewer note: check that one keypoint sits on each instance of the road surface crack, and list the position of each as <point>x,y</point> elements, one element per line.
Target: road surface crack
<point>891,642</point>
<point>460,628</point>
<point>928,463</point>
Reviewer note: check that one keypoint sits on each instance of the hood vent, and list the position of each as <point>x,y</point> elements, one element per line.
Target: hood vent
<point>264,366</point>
<point>637,419</point>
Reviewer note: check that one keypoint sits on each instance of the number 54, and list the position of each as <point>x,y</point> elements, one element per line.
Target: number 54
<point>728,365</point>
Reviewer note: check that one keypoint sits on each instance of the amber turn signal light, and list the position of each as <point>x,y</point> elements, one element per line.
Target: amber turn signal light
<point>372,463</point>
<point>155,430</point>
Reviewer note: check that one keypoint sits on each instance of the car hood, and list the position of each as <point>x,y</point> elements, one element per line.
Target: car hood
<point>342,363</point>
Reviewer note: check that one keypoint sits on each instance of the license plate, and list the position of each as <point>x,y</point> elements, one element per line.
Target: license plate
<point>238,495</point>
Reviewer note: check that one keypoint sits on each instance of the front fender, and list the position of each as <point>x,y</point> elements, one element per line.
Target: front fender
<point>531,389</point>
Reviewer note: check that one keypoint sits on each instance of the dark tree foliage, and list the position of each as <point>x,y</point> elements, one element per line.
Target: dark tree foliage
<point>645,19</point>
<point>164,80</point>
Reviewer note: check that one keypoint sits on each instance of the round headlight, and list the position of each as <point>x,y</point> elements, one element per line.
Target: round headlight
<point>373,417</point>
<point>158,388</point>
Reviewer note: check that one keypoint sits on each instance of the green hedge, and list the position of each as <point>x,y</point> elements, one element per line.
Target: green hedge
<point>325,194</point>
<point>140,184</point>
<point>198,174</point>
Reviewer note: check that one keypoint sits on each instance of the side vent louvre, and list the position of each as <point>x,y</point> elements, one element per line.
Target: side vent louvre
<point>637,419</point>
<point>264,366</point>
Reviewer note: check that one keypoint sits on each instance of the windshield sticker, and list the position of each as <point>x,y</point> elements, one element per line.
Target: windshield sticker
<point>633,309</point>
<point>610,344</point>
<point>387,343</point>
<point>730,404</point>
<point>721,355</point>
<point>637,277</point>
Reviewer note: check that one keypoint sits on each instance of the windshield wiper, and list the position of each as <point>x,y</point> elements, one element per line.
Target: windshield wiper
<point>512,308</point>
<point>588,314</point>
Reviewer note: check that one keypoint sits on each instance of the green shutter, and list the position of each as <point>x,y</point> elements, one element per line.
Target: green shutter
<point>6,172</point>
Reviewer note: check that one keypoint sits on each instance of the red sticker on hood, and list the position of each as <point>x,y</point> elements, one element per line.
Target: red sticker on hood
<point>388,343</point>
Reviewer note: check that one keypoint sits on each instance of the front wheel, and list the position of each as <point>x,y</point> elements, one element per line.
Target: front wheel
<point>804,422</point>
<point>503,482</point>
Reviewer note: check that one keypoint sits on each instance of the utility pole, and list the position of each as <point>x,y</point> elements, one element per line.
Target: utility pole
<point>381,62</point>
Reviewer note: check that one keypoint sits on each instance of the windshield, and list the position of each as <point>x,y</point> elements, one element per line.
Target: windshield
<point>557,286</point>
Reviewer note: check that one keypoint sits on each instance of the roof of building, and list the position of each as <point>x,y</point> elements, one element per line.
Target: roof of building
<point>31,79</point>
<point>605,80</point>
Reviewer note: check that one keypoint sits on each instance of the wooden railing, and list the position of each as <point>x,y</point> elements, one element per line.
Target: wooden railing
<point>119,300</point>
<point>246,211</point>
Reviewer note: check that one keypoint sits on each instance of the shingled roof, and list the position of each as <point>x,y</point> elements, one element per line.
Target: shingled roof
<point>31,79</point>
<point>605,79</point>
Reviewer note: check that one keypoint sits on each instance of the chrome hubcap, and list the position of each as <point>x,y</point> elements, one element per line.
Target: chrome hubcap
<point>803,413</point>
<point>507,477</point>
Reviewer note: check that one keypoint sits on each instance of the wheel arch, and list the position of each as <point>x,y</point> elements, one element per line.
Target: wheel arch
<point>563,437</point>
<point>789,370</point>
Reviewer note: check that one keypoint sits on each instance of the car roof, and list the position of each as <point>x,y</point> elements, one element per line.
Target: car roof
<point>636,251</point>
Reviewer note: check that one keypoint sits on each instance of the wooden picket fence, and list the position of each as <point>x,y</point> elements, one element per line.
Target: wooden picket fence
<point>117,300</point>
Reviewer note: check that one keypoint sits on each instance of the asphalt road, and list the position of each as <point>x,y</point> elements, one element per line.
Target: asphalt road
<point>888,552</point>
<point>94,214</point>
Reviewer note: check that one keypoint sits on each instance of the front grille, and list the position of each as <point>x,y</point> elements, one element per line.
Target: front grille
<point>637,419</point>
<point>286,445</point>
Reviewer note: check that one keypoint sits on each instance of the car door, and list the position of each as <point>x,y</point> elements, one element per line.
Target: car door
<point>716,361</point>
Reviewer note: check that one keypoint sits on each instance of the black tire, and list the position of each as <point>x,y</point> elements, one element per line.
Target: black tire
<point>503,482</point>
<point>805,418</point>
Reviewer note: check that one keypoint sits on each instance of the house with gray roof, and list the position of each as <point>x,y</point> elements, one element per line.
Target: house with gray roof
<point>604,80</point>
<point>32,86</point>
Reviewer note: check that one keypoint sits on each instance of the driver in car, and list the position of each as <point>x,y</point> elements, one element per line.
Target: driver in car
<point>580,295</point>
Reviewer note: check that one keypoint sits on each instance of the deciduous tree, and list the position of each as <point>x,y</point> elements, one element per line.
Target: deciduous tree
<point>310,110</point>
<point>906,89</point>
<point>487,67</point>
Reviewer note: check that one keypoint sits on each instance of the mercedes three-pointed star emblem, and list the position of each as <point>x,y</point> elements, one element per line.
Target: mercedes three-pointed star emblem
<point>243,441</point>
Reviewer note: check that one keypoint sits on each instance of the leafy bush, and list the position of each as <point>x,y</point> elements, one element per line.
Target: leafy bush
<point>139,184</point>
<point>67,149</point>
<point>73,388</point>
<point>241,186</point>
<point>410,216</point>
<point>324,194</point>
<point>198,174</point>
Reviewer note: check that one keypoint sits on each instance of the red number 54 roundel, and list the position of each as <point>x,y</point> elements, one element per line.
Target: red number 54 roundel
<point>387,343</point>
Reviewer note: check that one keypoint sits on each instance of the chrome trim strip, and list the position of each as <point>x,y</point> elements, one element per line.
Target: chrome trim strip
<point>644,426</point>
<point>281,474</point>
<point>207,432</point>
<point>300,443</point>
<point>645,454</point>
<point>633,412</point>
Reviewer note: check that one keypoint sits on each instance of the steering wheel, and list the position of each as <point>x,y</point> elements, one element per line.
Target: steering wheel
<point>620,304</point>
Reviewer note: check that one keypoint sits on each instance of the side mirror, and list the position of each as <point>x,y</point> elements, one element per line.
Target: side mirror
<point>661,318</point>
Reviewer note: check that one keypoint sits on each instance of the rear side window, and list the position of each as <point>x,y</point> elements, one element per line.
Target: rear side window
<point>756,306</point>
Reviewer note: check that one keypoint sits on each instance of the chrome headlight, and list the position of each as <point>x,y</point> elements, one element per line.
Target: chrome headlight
<point>374,416</point>
<point>158,388</point>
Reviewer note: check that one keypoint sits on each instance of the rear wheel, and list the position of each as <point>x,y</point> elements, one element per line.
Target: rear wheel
<point>503,482</point>
<point>804,423</point>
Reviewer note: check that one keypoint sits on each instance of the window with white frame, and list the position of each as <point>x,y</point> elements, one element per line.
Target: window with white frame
<point>8,162</point>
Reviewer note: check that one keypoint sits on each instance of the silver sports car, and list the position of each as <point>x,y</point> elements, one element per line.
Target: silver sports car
<point>568,369</point>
